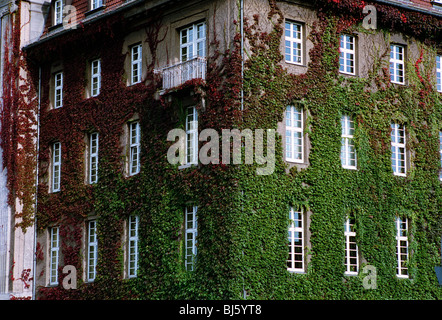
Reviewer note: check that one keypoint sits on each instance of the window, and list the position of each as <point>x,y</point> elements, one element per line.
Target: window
<point>191,233</point>
<point>53,262</point>
<point>440,154</point>
<point>397,66</point>
<point>136,64</point>
<point>348,150</point>
<point>191,136</point>
<point>402,247</point>
<point>293,42</point>
<point>398,153</point>
<point>351,249</point>
<point>96,4</point>
<point>58,90</point>
<point>93,157</point>
<point>132,261</point>
<point>58,12</point>
<point>95,77</point>
<point>347,54</point>
<point>294,134</point>
<point>134,152</point>
<point>295,261</point>
<point>193,42</point>
<point>439,73</point>
<point>56,166</point>
<point>92,250</point>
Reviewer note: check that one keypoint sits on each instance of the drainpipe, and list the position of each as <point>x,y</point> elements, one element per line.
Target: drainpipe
<point>34,277</point>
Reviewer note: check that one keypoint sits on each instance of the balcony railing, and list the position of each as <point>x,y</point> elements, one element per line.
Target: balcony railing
<point>176,75</point>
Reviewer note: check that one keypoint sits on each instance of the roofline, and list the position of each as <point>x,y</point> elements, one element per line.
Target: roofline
<point>412,7</point>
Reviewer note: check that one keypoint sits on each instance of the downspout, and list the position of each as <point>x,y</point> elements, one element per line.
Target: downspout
<point>34,276</point>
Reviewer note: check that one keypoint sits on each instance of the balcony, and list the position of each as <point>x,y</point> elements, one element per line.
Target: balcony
<point>176,75</point>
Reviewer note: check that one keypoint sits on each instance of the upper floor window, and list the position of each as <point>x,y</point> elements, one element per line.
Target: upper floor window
<point>294,134</point>
<point>132,257</point>
<point>92,250</point>
<point>193,42</point>
<point>191,232</point>
<point>397,64</point>
<point>93,157</point>
<point>402,247</point>
<point>56,166</point>
<point>58,12</point>
<point>293,42</point>
<point>54,244</point>
<point>95,77</point>
<point>58,90</point>
<point>439,73</point>
<point>191,154</point>
<point>351,248</point>
<point>134,151</point>
<point>347,54</point>
<point>95,4</point>
<point>398,149</point>
<point>136,59</point>
<point>295,261</point>
<point>348,150</point>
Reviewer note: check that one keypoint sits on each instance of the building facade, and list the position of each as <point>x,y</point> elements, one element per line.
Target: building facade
<point>351,92</point>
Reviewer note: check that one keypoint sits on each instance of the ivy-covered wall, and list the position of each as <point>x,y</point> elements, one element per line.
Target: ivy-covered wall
<point>243,217</point>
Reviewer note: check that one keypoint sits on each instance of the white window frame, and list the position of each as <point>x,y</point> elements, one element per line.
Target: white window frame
<point>93,157</point>
<point>191,233</point>
<point>347,143</point>
<point>439,72</point>
<point>134,148</point>
<point>296,250</point>
<point>402,245</point>
<point>95,77</point>
<point>95,4</point>
<point>136,63</point>
<point>294,134</point>
<point>58,90</point>
<point>54,241</point>
<point>397,63</point>
<point>58,12</point>
<point>351,248</point>
<point>400,148</point>
<point>56,167</point>
<point>191,146</point>
<point>92,250</point>
<point>293,43</point>
<point>347,56</point>
<point>132,249</point>
<point>440,155</point>
<point>193,41</point>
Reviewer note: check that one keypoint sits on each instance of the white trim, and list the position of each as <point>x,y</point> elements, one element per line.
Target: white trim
<point>95,4</point>
<point>191,232</point>
<point>294,134</point>
<point>397,64</point>
<point>396,143</point>
<point>347,56</point>
<point>193,42</point>
<point>293,43</point>
<point>95,77</point>
<point>296,241</point>
<point>439,72</point>
<point>136,64</point>
<point>132,249</point>
<point>92,252</point>
<point>191,145</point>
<point>134,152</point>
<point>56,167</point>
<point>350,238</point>
<point>347,143</point>
<point>93,157</point>
<point>401,242</point>
<point>58,90</point>
<point>58,12</point>
<point>54,241</point>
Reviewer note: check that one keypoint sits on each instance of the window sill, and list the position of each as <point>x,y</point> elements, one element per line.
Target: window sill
<point>350,168</point>
<point>351,274</point>
<point>94,11</point>
<point>188,165</point>
<point>294,271</point>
